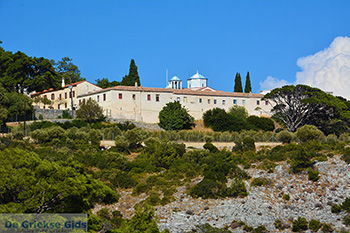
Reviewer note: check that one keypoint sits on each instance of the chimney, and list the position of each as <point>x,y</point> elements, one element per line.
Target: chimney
<point>136,84</point>
<point>63,84</point>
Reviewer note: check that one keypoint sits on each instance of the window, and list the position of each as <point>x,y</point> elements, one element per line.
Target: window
<point>73,94</point>
<point>45,97</point>
<point>234,101</point>
<point>258,102</point>
<point>98,98</point>
<point>178,99</point>
<point>266,102</point>
<point>65,95</point>
<point>214,101</point>
<point>133,96</point>
<point>104,97</point>
<point>52,96</point>
<point>120,96</point>
<point>185,99</point>
<point>200,100</point>
<point>70,94</point>
<point>223,102</point>
<point>157,97</point>
<point>243,102</point>
<point>149,97</point>
<point>65,105</point>
<point>60,96</point>
<point>208,101</point>
<point>59,106</point>
<point>79,102</point>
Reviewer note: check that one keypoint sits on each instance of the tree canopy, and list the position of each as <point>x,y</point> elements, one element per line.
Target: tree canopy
<point>248,85</point>
<point>238,83</point>
<point>90,111</point>
<point>299,105</point>
<point>174,116</point>
<point>68,70</point>
<point>105,83</point>
<point>132,77</point>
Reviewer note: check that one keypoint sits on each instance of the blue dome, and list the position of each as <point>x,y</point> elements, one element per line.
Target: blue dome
<point>198,76</point>
<point>175,78</point>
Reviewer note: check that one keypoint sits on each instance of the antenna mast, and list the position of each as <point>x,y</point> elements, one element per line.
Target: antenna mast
<point>166,76</point>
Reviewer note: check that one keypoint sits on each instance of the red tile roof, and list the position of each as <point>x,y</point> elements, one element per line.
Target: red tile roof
<point>52,89</point>
<point>178,91</point>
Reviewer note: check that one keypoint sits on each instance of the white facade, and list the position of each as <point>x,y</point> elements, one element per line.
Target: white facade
<point>65,97</point>
<point>144,104</point>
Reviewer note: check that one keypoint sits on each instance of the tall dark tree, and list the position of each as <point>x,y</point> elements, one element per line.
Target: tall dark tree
<point>248,85</point>
<point>133,76</point>
<point>238,83</point>
<point>68,70</point>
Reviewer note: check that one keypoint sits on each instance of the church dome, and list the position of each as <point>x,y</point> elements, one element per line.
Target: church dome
<point>197,76</point>
<point>175,78</point>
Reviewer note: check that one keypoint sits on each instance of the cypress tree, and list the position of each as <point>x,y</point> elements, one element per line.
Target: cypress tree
<point>132,77</point>
<point>238,83</point>
<point>248,85</point>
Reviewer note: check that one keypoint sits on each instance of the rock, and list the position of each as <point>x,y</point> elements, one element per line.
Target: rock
<point>235,224</point>
<point>189,212</point>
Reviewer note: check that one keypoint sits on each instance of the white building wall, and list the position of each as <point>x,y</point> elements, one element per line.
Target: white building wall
<point>143,105</point>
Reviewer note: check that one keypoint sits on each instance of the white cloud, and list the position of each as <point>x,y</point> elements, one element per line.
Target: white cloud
<point>271,82</point>
<point>328,69</point>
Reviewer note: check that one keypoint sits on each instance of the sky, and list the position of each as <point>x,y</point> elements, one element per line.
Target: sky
<point>278,42</point>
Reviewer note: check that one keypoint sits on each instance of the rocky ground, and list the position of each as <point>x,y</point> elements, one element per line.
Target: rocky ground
<point>264,205</point>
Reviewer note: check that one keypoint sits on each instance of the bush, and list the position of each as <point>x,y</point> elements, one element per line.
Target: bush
<point>207,188</point>
<point>260,181</point>
<point>174,116</point>
<point>237,189</point>
<point>300,224</point>
<point>313,174</point>
<point>262,123</point>
<point>48,134</point>
<point>346,205</point>
<point>314,225</point>
<point>285,136</point>
<point>336,209</point>
<point>327,228</point>
<point>219,120</point>
<point>286,197</point>
<point>279,225</point>
<point>40,125</point>
<point>66,115</point>
<point>90,111</point>
<point>210,147</point>
<point>346,155</point>
<point>309,132</point>
<point>238,112</point>
<point>247,144</point>
<point>346,220</point>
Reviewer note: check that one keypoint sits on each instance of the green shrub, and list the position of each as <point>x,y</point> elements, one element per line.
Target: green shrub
<point>346,220</point>
<point>174,116</point>
<point>40,125</point>
<point>237,189</point>
<point>238,112</point>
<point>327,228</point>
<point>247,144</point>
<point>279,225</point>
<point>262,123</point>
<point>66,115</point>
<point>336,209</point>
<point>309,132</point>
<point>207,188</point>
<point>286,197</point>
<point>300,224</point>
<point>260,229</point>
<point>48,134</point>
<point>346,205</point>
<point>314,225</point>
<point>260,181</point>
<point>209,229</point>
<point>285,136</point>
<point>210,147</point>
<point>313,174</point>
<point>346,155</point>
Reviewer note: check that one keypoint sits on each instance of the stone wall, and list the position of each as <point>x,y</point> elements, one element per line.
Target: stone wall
<point>48,113</point>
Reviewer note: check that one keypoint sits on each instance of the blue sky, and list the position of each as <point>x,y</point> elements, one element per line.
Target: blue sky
<point>219,38</point>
